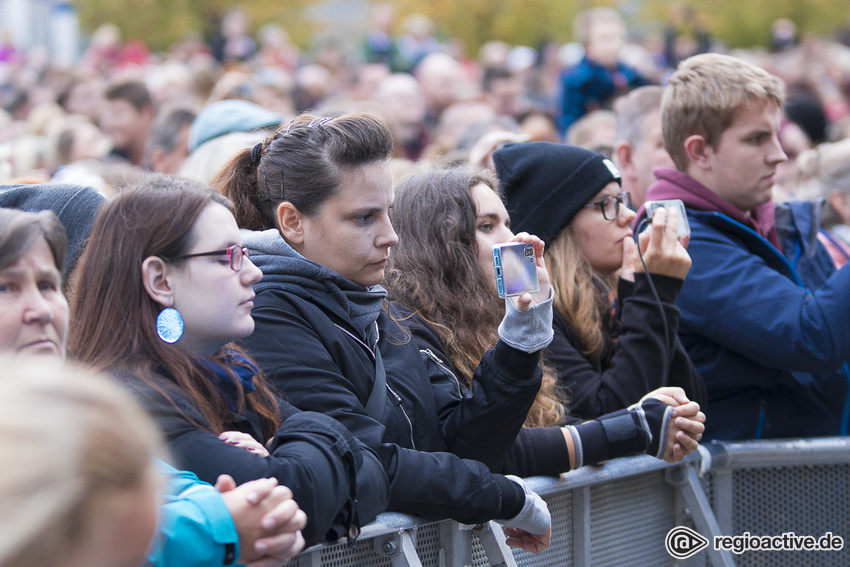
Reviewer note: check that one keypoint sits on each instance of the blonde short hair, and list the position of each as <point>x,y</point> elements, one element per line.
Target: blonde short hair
<point>703,95</point>
<point>590,131</point>
<point>70,441</point>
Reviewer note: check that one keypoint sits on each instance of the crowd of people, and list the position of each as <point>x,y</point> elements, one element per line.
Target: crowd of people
<point>278,269</point>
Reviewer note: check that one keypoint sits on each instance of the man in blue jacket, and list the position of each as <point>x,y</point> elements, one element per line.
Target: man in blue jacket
<point>765,315</point>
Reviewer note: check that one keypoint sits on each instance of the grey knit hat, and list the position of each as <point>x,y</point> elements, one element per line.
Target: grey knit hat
<point>226,116</point>
<point>75,205</point>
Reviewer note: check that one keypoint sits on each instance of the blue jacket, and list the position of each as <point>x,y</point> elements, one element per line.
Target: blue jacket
<point>590,86</point>
<point>196,528</point>
<point>768,332</point>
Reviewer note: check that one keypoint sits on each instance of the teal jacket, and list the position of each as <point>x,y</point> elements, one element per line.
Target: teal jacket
<point>196,528</point>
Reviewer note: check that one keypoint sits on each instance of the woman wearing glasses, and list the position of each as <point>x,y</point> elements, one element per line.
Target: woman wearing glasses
<point>614,340</point>
<point>164,288</point>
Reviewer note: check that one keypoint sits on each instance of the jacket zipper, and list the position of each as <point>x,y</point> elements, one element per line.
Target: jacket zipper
<point>430,354</point>
<point>398,400</point>
<point>395,396</point>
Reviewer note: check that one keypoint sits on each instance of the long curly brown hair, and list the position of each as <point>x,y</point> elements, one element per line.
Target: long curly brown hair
<point>434,270</point>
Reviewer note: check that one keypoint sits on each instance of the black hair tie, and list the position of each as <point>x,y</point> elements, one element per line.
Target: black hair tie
<point>256,153</point>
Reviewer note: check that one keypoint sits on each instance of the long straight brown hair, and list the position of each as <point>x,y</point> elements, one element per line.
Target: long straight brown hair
<point>113,319</point>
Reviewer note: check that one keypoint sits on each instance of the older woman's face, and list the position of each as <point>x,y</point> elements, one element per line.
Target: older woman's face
<point>33,311</point>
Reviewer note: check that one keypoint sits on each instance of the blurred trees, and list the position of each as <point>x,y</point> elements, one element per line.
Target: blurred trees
<point>525,22</point>
<point>159,23</point>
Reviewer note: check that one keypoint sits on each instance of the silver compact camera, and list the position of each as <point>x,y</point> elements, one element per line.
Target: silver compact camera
<point>516,270</point>
<point>684,228</point>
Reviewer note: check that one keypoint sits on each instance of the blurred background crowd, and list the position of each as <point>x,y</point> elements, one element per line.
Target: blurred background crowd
<point>85,100</point>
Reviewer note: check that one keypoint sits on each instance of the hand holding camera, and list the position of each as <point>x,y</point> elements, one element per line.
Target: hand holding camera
<point>663,252</point>
<point>683,227</point>
<point>521,271</point>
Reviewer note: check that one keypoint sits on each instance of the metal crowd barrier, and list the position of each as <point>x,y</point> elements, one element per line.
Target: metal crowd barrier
<point>621,512</point>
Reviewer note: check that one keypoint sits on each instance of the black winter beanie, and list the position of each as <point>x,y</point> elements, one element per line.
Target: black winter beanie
<point>546,184</point>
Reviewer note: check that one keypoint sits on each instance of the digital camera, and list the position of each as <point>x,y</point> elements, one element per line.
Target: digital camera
<point>684,228</point>
<point>516,269</point>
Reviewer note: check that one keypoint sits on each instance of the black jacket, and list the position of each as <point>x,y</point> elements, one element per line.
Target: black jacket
<point>428,434</point>
<point>437,447</point>
<point>536,451</point>
<point>319,460</point>
<point>637,360</point>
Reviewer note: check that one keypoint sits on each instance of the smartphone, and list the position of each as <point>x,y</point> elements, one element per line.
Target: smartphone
<point>684,227</point>
<point>516,270</point>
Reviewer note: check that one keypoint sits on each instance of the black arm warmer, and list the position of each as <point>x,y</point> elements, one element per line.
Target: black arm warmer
<point>622,433</point>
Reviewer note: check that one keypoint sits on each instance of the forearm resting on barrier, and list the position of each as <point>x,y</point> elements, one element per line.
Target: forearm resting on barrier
<point>651,426</point>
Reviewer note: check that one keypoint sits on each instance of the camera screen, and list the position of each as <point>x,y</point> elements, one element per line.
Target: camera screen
<point>516,272</point>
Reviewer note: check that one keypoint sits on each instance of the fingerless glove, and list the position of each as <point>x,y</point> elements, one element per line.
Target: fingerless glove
<point>625,432</point>
<point>534,516</point>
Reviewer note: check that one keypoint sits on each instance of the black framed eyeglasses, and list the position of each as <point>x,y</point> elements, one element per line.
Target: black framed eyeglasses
<point>610,205</point>
<point>234,253</point>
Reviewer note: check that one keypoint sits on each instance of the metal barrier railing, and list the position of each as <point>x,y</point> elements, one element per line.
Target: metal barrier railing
<point>620,513</point>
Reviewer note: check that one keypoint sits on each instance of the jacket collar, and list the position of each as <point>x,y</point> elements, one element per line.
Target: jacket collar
<point>285,269</point>
<point>675,184</point>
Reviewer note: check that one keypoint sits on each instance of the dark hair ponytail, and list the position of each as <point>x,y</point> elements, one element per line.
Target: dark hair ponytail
<point>238,182</point>
<point>301,164</point>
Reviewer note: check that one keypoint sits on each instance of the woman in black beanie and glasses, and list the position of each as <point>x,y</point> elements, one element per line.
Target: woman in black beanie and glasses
<point>614,340</point>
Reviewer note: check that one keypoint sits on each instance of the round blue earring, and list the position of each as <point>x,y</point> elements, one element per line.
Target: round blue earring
<point>169,325</point>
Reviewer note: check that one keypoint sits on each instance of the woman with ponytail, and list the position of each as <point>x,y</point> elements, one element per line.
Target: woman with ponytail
<point>316,197</point>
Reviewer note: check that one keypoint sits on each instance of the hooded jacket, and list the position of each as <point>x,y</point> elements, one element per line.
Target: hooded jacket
<point>590,86</point>
<point>316,336</point>
<point>768,329</point>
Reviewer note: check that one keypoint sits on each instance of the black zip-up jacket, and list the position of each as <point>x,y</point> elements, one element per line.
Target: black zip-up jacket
<point>536,451</point>
<point>437,447</point>
<point>337,481</point>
